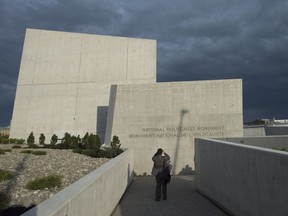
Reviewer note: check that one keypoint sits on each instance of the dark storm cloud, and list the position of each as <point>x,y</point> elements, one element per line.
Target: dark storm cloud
<point>196,40</point>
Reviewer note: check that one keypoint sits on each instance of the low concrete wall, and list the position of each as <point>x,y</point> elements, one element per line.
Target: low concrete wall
<point>264,142</point>
<point>244,180</point>
<point>97,193</point>
<point>254,131</point>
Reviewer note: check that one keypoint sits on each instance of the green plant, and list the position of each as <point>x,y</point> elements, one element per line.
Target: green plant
<point>94,141</point>
<point>26,151</point>
<point>31,139</point>
<point>33,146</point>
<point>41,183</point>
<point>54,139</point>
<point>90,152</point>
<point>16,146</point>
<point>4,200</point>
<point>5,140</point>
<point>115,143</point>
<point>2,151</point>
<point>20,141</point>
<point>67,140</point>
<point>12,140</point>
<point>42,139</point>
<point>77,150</point>
<point>5,175</point>
<point>39,152</point>
<point>85,140</point>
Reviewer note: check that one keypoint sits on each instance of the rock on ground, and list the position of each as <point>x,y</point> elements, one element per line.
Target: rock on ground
<point>27,167</point>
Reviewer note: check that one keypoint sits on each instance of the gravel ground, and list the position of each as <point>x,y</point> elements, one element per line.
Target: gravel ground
<point>27,167</point>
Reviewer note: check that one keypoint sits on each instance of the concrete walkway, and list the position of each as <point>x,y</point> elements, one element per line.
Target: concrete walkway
<point>183,199</point>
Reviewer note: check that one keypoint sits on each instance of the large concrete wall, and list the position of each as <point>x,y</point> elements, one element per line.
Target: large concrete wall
<point>65,78</point>
<point>245,180</point>
<point>97,193</point>
<point>171,115</point>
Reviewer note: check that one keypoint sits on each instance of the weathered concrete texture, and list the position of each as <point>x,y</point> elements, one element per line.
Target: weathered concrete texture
<point>65,78</point>
<point>245,180</point>
<point>97,193</point>
<point>171,115</point>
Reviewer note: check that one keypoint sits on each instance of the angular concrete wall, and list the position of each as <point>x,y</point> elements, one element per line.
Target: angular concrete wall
<point>171,115</point>
<point>97,193</point>
<point>65,78</point>
<point>245,180</point>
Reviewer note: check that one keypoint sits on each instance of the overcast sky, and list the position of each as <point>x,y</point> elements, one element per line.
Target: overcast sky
<point>196,40</point>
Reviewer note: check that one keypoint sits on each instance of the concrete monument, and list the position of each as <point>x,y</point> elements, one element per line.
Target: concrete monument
<point>65,78</point>
<point>171,115</point>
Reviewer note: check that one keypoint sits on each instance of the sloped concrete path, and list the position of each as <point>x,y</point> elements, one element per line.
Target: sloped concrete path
<point>183,199</point>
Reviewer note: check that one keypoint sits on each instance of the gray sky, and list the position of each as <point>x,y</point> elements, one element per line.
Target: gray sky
<point>196,40</point>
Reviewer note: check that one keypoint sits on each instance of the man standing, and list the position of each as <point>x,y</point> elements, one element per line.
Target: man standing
<point>160,171</point>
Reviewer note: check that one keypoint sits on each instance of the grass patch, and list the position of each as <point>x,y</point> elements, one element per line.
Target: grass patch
<point>5,175</point>
<point>2,151</point>
<point>16,146</point>
<point>26,151</point>
<point>4,200</point>
<point>7,150</point>
<point>34,152</point>
<point>50,181</point>
<point>39,152</point>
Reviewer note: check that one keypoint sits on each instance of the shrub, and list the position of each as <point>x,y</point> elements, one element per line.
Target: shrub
<point>42,139</point>
<point>89,152</point>
<point>33,146</point>
<point>94,141</point>
<point>54,139</point>
<point>20,141</point>
<point>115,143</point>
<point>12,140</point>
<point>16,146</point>
<point>109,153</point>
<point>75,142</point>
<point>31,139</point>
<point>77,150</point>
<point>2,151</point>
<point>4,200</point>
<point>5,140</point>
<point>50,181</point>
<point>5,175</point>
<point>67,141</point>
<point>38,152</point>
<point>26,151</point>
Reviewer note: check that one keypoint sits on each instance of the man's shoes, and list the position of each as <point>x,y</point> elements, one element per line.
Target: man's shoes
<point>165,198</point>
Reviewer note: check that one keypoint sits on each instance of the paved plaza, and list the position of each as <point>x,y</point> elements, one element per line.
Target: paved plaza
<point>183,199</point>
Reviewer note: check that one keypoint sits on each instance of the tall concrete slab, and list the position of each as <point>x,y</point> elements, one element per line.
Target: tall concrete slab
<point>170,115</point>
<point>65,78</point>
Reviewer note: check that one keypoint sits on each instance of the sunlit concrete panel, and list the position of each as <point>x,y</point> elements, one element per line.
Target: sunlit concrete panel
<point>171,115</point>
<point>65,78</point>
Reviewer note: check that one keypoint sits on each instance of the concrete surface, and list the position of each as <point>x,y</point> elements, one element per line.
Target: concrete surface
<point>254,131</point>
<point>244,179</point>
<point>170,115</point>
<point>95,194</point>
<point>64,80</point>
<point>183,199</point>
<point>269,142</point>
